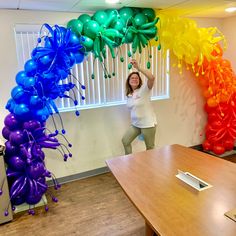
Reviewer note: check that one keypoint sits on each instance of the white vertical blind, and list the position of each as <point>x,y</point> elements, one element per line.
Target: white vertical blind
<point>99,91</point>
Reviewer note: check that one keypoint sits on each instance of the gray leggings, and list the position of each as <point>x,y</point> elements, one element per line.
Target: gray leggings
<point>133,132</point>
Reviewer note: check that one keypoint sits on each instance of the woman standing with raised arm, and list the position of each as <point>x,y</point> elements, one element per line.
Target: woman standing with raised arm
<point>143,119</point>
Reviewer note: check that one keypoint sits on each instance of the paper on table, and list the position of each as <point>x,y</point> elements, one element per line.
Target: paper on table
<point>231,214</point>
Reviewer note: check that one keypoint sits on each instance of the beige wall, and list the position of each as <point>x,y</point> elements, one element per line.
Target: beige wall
<point>96,134</point>
<point>230,34</point>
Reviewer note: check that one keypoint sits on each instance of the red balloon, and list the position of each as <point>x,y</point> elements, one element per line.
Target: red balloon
<point>206,145</point>
<point>218,149</point>
<point>228,144</point>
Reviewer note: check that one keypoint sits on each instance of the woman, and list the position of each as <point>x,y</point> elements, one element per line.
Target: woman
<point>143,119</point>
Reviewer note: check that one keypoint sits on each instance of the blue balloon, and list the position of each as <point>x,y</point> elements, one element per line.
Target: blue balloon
<point>18,94</point>
<point>36,102</point>
<point>20,77</point>
<point>31,67</point>
<point>79,57</point>
<point>29,83</point>
<point>21,110</point>
<point>10,105</point>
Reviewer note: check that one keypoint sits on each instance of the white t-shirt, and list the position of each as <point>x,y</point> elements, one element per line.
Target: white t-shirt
<point>139,104</point>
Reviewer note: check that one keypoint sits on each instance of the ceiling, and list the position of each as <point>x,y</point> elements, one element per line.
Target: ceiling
<point>194,8</point>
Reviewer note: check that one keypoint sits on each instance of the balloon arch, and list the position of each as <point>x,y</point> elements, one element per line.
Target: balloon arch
<point>38,85</point>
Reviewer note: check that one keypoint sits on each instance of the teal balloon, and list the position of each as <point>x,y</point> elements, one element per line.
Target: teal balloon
<point>91,29</point>
<point>87,43</point>
<point>119,25</point>
<point>140,19</point>
<point>126,13</point>
<point>76,26</point>
<point>100,17</point>
<point>149,13</point>
<point>84,18</point>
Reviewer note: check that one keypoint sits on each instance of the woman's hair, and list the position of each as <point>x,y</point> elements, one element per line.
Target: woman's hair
<point>128,88</point>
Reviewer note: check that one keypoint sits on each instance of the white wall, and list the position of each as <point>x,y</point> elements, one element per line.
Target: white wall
<point>96,134</point>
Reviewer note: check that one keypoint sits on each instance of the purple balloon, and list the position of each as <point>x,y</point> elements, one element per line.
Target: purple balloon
<point>34,195</point>
<point>31,125</point>
<point>11,122</point>
<point>36,170</point>
<point>10,149</point>
<point>18,137</point>
<point>18,200</point>
<point>16,163</point>
<point>6,132</point>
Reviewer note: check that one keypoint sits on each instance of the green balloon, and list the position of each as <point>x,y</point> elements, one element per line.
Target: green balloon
<point>149,13</point>
<point>91,29</point>
<point>129,37</point>
<point>126,13</point>
<point>84,18</point>
<point>136,10</point>
<point>87,43</point>
<point>140,19</point>
<point>100,16</point>
<point>118,25</point>
<point>76,26</point>
<point>108,11</point>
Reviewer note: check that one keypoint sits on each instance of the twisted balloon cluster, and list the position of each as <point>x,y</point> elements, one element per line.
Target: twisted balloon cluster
<point>30,105</point>
<point>112,28</point>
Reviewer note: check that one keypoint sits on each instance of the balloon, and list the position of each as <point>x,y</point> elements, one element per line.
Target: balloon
<point>6,132</point>
<point>79,57</point>
<point>206,145</point>
<point>126,13</point>
<point>20,77</point>
<point>218,149</point>
<point>35,102</point>
<point>84,18</point>
<point>100,17</point>
<point>17,137</point>
<point>87,43</point>
<point>16,163</point>
<point>35,170</point>
<point>19,94</point>
<point>140,19</point>
<point>31,125</point>
<point>228,144</point>
<point>10,149</point>
<point>119,25</point>
<point>21,110</point>
<point>149,13</point>
<point>12,122</point>
<point>91,29</point>
<point>76,26</point>
<point>30,67</point>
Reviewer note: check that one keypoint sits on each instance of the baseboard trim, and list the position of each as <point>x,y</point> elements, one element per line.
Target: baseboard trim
<point>78,176</point>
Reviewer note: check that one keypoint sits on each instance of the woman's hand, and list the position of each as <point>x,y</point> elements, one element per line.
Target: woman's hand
<point>135,64</point>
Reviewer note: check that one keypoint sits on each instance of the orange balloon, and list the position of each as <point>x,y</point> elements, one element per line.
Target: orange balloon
<point>211,102</point>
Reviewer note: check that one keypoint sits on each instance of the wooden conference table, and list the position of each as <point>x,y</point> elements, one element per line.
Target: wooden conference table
<point>170,206</point>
